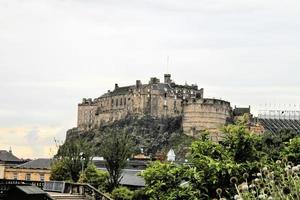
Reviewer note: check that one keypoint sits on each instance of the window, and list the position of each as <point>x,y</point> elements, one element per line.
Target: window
<point>15,176</point>
<point>124,101</point>
<point>42,177</point>
<point>121,102</point>
<point>117,102</point>
<point>28,177</point>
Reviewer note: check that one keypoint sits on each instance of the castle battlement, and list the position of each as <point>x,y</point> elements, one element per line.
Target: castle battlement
<point>157,99</point>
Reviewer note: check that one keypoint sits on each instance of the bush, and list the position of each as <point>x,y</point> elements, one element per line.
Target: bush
<point>95,177</point>
<point>140,195</point>
<point>280,181</point>
<point>122,193</point>
<point>60,171</point>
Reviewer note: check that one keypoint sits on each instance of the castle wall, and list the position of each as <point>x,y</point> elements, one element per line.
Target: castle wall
<point>155,99</point>
<point>205,114</point>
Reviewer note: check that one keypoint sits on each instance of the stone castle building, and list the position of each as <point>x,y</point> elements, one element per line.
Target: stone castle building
<point>157,99</point>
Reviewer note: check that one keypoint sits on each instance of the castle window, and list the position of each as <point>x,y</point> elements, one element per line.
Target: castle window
<point>165,95</point>
<point>117,103</point>
<point>121,102</point>
<point>124,101</point>
<point>112,102</point>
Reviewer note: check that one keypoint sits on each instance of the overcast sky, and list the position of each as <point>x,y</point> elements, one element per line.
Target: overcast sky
<point>55,52</point>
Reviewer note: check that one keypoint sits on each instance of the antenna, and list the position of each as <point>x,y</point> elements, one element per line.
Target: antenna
<point>168,58</point>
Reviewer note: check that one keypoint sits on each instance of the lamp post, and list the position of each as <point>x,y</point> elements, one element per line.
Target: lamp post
<point>82,161</point>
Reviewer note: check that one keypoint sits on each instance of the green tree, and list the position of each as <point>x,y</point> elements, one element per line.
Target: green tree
<point>95,177</point>
<point>71,158</point>
<point>60,171</point>
<point>292,150</point>
<point>122,193</point>
<point>242,144</point>
<point>116,149</point>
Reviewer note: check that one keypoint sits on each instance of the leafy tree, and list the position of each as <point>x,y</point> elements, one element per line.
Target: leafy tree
<point>292,150</point>
<point>60,171</point>
<point>95,177</point>
<point>70,159</point>
<point>273,143</point>
<point>169,181</point>
<point>122,193</point>
<point>116,149</point>
<point>242,144</point>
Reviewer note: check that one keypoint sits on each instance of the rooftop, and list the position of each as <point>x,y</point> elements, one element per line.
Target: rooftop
<point>6,156</point>
<point>41,163</point>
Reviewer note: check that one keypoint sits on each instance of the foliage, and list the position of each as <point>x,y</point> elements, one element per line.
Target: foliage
<point>116,149</point>
<point>71,158</point>
<point>122,193</point>
<point>160,176</point>
<point>214,169</point>
<point>292,150</point>
<point>242,144</point>
<point>140,194</point>
<point>95,177</point>
<point>280,182</point>
<point>60,171</point>
<point>273,143</point>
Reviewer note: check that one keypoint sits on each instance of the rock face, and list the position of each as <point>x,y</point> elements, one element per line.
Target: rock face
<point>152,134</point>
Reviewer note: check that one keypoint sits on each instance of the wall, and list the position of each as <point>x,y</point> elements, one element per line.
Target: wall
<point>35,174</point>
<point>205,114</point>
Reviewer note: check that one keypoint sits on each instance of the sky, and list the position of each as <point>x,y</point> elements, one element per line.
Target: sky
<point>53,53</point>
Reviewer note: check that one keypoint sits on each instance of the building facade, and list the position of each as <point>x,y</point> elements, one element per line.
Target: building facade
<point>35,170</point>
<point>157,99</point>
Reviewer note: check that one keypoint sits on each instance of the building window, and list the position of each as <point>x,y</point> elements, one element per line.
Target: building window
<point>117,103</point>
<point>124,101</point>
<point>15,176</point>
<point>28,177</point>
<point>112,102</point>
<point>42,177</point>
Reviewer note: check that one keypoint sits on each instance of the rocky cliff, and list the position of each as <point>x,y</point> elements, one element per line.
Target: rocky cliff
<point>152,134</point>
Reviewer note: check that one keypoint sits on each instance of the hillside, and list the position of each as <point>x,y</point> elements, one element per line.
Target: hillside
<point>153,134</point>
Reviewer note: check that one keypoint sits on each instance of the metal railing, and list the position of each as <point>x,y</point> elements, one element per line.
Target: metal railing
<point>88,191</point>
<point>75,188</point>
<point>6,185</point>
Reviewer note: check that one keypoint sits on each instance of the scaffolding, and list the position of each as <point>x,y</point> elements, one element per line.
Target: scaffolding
<point>279,114</point>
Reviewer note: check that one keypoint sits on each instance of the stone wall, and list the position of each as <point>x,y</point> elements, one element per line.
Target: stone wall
<point>155,99</point>
<point>205,115</point>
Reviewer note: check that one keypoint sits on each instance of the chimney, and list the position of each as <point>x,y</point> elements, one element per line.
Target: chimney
<point>168,78</point>
<point>138,83</point>
<point>116,86</point>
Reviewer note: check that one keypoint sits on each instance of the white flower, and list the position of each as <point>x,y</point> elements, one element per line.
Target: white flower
<point>295,169</point>
<point>259,174</point>
<point>270,198</point>
<point>236,197</point>
<point>278,162</point>
<point>244,187</point>
<point>265,169</point>
<point>262,196</point>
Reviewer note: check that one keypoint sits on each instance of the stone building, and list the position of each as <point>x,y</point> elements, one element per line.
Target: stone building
<point>35,170</point>
<point>157,99</point>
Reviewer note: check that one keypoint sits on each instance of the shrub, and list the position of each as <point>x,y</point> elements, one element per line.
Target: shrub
<point>281,181</point>
<point>95,177</point>
<point>122,193</point>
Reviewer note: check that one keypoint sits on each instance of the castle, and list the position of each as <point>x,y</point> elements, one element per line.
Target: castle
<point>156,99</point>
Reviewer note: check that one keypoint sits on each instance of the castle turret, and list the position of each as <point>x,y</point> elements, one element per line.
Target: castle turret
<point>167,78</point>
